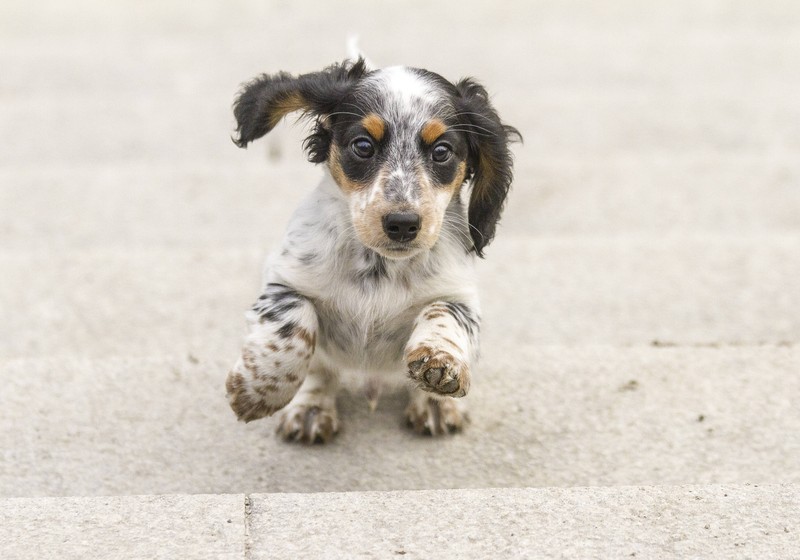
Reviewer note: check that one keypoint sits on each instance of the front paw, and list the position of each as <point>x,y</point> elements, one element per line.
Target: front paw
<point>438,371</point>
<point>260,383</point>
<point>252,398</point>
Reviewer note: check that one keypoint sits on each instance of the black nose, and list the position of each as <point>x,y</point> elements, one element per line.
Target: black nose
<point>402,226</point>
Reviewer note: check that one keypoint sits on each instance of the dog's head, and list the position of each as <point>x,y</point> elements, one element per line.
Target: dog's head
<point>400,142</point>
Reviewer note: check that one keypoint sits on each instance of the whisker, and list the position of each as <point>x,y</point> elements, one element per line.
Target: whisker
<point>357,107</point>
<point>476,230</point>
<point>476,126</point>
<point>472,132</point>
<point>473,113</point>
<point>344,113</point>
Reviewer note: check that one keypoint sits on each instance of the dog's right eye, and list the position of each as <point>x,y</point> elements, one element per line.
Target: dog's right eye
<point>363,148</point>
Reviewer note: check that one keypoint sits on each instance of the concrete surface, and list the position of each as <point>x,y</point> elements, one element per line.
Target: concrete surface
<point>729,521</point>
<point>118,527</point>
<point>620,290</point>
<point>183,205</point>
<point>588,523</point>
<point>541,416</point>
<point>642,300</point>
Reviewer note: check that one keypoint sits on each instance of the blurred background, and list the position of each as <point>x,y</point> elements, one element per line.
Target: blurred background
<point>641,300</point>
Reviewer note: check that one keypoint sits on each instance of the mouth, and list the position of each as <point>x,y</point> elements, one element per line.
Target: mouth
<point>398,250</point>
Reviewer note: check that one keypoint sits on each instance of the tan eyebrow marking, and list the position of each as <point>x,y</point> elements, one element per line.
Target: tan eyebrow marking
<point>432,130</point>
<point>374,125</point>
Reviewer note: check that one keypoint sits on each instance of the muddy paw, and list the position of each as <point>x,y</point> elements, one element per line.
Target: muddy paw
<point>308,424</point>
<point>435,417</point>
<point>437,371</point>
<point>252,399</point>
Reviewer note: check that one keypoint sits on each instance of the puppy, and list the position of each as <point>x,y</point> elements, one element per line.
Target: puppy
<point>375,276</point>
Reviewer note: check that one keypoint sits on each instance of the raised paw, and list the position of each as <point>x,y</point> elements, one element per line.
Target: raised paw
<point>438,371</point>
<point>252,399</point>
<point>264,380</point>
<point>435,417</point>
<point>308,423</point>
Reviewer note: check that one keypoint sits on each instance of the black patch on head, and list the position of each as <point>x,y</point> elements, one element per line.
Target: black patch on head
<point>489,159</point>
<point>345,129</point>
<point>263,101</point>
<point>444,173</point>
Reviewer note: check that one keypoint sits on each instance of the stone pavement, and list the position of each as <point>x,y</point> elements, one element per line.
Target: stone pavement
<point>641,301</point>
<point>591,523</point>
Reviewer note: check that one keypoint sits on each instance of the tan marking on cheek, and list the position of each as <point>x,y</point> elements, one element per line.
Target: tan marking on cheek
<point>368,214</point>
<point>436,197</point>
<point>374,125</point>
<point>292,102</point>
<point>432,130</point>
<point>338,174</point>
<point>461,172</point>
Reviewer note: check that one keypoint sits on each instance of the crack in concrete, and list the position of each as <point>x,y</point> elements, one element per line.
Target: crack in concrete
<point>247,540</point>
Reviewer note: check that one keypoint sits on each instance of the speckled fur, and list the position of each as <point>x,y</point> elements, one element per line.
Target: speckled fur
<point>342,301</point>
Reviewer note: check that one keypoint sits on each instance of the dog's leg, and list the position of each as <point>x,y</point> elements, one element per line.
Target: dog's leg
<point>434,416</point>
<point>311,416</point>
<point>276,354</point>
<point>441,347</point>
<point>438,355</point>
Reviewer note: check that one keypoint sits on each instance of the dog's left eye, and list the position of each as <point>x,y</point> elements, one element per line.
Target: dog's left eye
<point>441,152</point>
<point>363,148</point>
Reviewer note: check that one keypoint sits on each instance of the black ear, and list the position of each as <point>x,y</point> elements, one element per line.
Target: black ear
<point>489,159</point>
<point>265,100</point>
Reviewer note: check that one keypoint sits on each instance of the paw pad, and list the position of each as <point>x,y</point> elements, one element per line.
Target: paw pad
<point>438,372</point>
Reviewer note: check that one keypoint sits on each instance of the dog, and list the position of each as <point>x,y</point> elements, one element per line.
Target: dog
<point>375,275</point>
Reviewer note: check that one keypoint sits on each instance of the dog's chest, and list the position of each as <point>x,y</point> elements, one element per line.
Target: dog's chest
<point>365,322</point>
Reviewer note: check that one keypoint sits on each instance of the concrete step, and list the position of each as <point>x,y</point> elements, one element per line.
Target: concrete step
<point>121,527</point>
<point>602,290</point>
<point>541,416</point>
<point>144,205</point>
<point>729,521</point>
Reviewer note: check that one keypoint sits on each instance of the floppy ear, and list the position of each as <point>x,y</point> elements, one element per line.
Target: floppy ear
<point>265,100</point>
<point>489,159</point>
